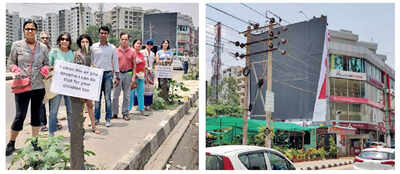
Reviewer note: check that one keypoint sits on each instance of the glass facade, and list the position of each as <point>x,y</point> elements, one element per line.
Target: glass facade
<point>347,87</point>
<point>355,112</point>
<point>373,72</point>
<point>346,63</point>
<point>373,93</point>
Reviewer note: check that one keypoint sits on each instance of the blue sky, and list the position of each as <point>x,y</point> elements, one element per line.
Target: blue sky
<point>370,21</point>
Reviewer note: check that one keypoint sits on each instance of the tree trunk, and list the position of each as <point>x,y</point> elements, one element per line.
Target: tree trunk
<point>77,133</point>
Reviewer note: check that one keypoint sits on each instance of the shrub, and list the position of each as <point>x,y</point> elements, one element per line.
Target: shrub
<point>55,155</point>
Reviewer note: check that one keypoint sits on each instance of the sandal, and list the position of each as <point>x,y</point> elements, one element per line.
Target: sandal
<point>126,118</point>
<point>44,129</point>
<point>96,131</point>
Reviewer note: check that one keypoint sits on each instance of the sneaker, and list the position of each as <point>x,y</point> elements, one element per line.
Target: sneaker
<point>10,148</point>
<point>108,123</point>
<point>114,117</point>
<point>96,122</point>
<point>35,145</point>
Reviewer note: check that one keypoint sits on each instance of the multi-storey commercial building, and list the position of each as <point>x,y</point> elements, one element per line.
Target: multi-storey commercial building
<point>185,31</point>
<point>360,86</point>
<point>175,27</point>
<point>124,19</point>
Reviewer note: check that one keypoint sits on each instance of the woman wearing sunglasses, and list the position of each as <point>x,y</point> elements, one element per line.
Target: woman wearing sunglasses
<point>28,58</point>
<point>64,53</point>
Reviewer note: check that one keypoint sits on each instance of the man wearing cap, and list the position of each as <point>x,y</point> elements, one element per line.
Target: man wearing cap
<point>125,61</point>
<point>150,58</point>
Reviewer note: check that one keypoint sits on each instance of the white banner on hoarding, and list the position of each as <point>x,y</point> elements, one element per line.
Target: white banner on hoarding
<point>321,102</point>
<point>164,71</point>
<point>348,75</point>
<point>76,80</point>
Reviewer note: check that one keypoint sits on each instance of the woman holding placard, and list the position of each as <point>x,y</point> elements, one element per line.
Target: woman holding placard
<point>62,53</point>
<point>28,62</point>
<point>164,57</point>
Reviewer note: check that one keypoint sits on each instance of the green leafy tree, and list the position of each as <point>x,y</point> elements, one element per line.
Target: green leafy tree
<point>93,32</point>
<point>230,91</point>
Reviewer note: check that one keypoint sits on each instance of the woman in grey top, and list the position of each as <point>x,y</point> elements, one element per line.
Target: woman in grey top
<point>83,57</point>
<point>19,62</point>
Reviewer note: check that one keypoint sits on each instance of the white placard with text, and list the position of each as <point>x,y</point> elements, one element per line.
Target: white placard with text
<point>164,71</point>
<point>76,80</point>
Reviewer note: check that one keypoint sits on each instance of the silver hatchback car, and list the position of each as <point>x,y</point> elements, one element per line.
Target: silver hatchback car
<point>375,159</point>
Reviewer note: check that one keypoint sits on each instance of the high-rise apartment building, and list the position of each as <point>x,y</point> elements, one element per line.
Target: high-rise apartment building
<point>13,27</point>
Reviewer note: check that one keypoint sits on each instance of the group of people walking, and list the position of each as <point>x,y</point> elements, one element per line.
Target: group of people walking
<point>126,69</point>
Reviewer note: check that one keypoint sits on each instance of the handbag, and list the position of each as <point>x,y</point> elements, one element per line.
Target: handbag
<point>134,85</point>
<point>23,83</point>
<point>149,74</point>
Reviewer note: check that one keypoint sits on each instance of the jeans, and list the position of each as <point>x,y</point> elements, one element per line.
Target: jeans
<point>106,86</point>
<point>21,108</point>
<point>185,67</point>
<point>54,104</point>
<point>125,86</point>
<point>139,94</point>
<point>43,115</point>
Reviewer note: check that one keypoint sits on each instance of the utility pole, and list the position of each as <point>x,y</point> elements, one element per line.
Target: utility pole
<point>268,114</point>
<point>151,32</point>
<point>269,97</point>
<point>77,131</point>
<point>246,96</point>
<point>218,55</point>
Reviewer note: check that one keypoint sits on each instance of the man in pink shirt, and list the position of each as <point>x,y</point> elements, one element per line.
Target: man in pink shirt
<point>125,61</point>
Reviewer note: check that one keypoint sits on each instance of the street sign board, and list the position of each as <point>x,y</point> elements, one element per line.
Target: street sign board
<point>269,102</point>
<point>76,80</point>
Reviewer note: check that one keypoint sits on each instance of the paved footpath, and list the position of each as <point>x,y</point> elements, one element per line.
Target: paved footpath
<point>126,144</point>
<point>323,164</point>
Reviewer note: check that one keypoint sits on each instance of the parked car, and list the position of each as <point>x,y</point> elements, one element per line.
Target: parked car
<point>375,159</point>
<point>177,63</point>
<point>377,144</point>
<point>244,157</point>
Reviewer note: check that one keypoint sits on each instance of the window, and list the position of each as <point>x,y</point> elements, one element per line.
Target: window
<point>253,161</point>
<point>214,163</point>
<point>355,112</point>
<point>356,65</point>
<point>278,162</point>
<point>344,107</point>
<point>340,87</point>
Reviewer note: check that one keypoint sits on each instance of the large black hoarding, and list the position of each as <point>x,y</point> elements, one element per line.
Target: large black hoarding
<point>294,75</point>
<point>161,26</point>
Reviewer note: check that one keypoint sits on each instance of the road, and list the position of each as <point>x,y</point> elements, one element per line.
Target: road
<point>129,135</point>
<point>186,154</point>
<point>344,167</point>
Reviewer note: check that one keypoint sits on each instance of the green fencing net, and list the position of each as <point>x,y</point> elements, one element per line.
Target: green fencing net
<point>230,129</point>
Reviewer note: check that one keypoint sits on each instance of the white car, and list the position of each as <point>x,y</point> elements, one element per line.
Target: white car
<point>375,159</point>
<point>177,63</point>
<point>244,157</point>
